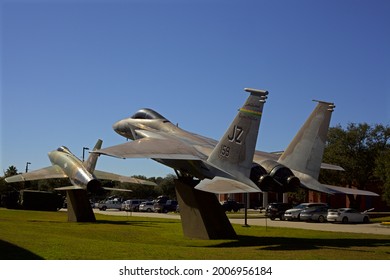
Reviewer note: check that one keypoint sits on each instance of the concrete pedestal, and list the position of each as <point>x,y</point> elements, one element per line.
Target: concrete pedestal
<point>202,216</point>
<point>79,208</point>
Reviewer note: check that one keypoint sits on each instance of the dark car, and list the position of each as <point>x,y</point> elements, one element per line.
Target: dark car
<point>276,210</point>
<point>168,206</point>
<point>231,205</point>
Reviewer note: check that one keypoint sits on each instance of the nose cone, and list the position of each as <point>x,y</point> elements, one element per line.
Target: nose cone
<point>123,128</point>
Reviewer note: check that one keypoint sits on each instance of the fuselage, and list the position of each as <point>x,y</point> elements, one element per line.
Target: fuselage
<point>148,123</point>
<point>72,167</point>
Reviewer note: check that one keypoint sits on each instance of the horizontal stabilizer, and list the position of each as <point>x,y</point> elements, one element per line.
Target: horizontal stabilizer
<point>225,185</point>
<point>116,189</point>
<point>331,167</point>
<point>344,190</point>
<point>69,188</point>
<point>312,184</point>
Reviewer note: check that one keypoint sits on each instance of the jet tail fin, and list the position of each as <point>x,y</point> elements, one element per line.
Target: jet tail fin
<point>305,152</point>
<point>234,152</point>
<point>90,163</point>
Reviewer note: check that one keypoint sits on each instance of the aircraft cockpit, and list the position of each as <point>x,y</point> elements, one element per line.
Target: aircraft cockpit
<point>64,150</point>
<point>148,114</point>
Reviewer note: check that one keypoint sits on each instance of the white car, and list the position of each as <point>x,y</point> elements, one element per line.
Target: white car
<point>347,215</point>
<point>147,206</point>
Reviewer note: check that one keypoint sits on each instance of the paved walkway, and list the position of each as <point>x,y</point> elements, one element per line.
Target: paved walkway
<point>372,228</point>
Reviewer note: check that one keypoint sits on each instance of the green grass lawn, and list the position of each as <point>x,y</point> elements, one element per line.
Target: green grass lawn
<point>48,235</point>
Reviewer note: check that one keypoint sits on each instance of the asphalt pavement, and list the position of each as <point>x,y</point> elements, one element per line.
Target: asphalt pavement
<point>371,228</point>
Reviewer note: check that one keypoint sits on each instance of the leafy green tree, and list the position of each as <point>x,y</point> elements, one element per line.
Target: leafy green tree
<point>357,149</point>
<point>167,186</point>
<point>382,170</point>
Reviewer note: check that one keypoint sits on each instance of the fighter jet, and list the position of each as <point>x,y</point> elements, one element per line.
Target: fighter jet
<point>212,162</point>
<point>82,175</point>
<point>221,166</point>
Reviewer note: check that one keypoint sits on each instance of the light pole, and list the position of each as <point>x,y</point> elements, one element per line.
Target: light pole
<point>27,163</point>
<point>84,148</point>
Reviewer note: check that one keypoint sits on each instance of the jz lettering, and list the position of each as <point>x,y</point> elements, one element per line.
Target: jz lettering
<point>236,135</point>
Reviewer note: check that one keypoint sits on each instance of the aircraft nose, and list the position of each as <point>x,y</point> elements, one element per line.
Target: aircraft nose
<point>117,126</point>
<point>122,128</point>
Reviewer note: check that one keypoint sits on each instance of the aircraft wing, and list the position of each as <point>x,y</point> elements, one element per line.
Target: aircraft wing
<point>71,188</point>
<point>50,172</point>
<point>162,148</point>
<point>102,175</point>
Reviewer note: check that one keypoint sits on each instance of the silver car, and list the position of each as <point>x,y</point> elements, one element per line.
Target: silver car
<point>295,212</point>
<point>315,214</point>
<point>147,206</point>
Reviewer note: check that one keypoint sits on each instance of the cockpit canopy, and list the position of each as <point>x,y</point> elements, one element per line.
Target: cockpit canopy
<point>64,150</point>
<point>148,114</point>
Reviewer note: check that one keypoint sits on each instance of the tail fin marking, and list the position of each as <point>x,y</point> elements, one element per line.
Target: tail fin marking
<point>234,152</point>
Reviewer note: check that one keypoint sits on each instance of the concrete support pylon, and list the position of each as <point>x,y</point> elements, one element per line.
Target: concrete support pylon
<point>202,216</point>
<point>79,208</point>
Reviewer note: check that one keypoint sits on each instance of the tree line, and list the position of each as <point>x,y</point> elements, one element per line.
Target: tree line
<point>363,150</point>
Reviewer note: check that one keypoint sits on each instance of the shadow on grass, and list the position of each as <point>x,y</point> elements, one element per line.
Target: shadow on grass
<point>136,223</point>
<point>10,251</point>
<point>296,243</point>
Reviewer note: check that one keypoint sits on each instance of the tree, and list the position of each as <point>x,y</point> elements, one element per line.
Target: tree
<point>382,170</point>
<point>11,171</point>
<point>167,186</point>
<point>358,149</point>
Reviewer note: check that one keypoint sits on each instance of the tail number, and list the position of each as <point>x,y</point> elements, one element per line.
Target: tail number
<point>236,135</point>
<point>225,150</point>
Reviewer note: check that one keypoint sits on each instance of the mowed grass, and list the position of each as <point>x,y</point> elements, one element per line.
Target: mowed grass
<point>48,235</point>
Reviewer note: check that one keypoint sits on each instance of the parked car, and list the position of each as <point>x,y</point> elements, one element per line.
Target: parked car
<point>347,215</point>
<point>131,205</point>
<point>317,214</point>
<point>110,204</point>
<point>276,210</point>
<point>231,205</point>
<point>294,213</point>
<point>168,206</point>
<point>146,206</point>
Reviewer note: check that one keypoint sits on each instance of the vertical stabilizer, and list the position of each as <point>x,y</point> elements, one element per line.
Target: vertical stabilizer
<point>90,163</point>
<point>234,152</point>
<point>304,153</point>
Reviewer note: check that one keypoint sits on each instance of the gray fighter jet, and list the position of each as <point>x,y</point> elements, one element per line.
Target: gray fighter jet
<point>221,167</point>
<point>82,175</point>
<point>233,157</point>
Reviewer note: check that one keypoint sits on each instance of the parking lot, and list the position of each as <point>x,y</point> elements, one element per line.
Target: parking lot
<point>372,228</point>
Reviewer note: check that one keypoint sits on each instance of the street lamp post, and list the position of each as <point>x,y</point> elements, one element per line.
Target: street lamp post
<point>84,148</point>
<point>27,163</point>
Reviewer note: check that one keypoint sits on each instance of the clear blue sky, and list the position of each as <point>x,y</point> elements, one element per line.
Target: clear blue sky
<point>70,69</point>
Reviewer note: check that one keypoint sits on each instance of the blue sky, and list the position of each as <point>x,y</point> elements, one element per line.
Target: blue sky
<point>70,69</point>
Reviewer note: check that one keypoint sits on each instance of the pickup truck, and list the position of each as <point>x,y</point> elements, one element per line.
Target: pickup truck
<point>110,204</point>
<point>231,205</point>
